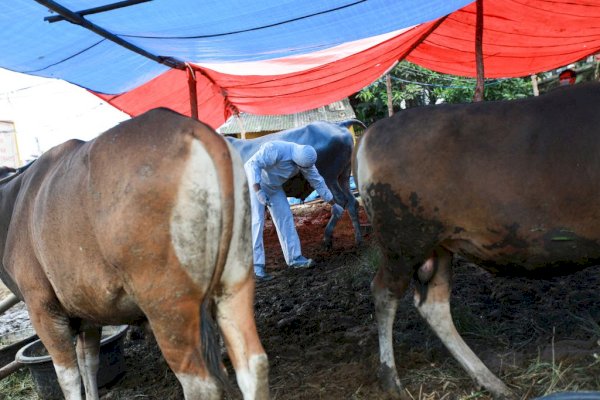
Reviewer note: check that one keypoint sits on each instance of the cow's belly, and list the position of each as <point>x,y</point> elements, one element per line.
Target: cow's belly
<point>498,242</point>
<point>98,295</point>
<point>556,251</point>
<point>86,285</point>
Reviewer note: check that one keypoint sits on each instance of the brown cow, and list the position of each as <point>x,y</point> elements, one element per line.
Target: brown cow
<point>512,186</point>
<point>149,221</point>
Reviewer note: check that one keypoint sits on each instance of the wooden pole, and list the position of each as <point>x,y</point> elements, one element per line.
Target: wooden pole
<point>479,88</point>
<point>77,19</point>
<point>191,73</point>
<point>96,10</point>
<point>388,87</point>
<point>9,368</point>
<point>8,302</point>
<point>534,85</point>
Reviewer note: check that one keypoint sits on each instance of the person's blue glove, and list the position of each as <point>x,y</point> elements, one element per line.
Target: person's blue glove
<point>263,198</point>
<point>337,210</point>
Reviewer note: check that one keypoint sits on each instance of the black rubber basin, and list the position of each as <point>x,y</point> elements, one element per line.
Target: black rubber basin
<point>112,363</point>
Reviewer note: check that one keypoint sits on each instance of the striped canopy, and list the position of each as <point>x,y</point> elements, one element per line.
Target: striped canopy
<point>279,56</point>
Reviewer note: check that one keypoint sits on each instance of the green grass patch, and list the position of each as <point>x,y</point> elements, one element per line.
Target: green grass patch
<point>18,386</point>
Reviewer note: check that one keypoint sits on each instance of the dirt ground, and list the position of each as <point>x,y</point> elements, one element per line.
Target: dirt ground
<point>319,330</point>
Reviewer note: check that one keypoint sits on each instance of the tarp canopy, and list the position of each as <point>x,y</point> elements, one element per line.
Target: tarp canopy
<point>278,56</point>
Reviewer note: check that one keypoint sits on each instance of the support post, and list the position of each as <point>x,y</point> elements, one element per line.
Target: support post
<point>388,87</point>
<point>534,85</point>
<point>479,88</point>
<point>191,74</point>
<point>8,302</point>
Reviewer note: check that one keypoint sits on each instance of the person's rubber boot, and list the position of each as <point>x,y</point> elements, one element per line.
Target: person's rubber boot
<point>306,263</point>
<point>260,273</point>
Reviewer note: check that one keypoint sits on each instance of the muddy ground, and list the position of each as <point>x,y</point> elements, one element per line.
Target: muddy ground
<point>319,331</point>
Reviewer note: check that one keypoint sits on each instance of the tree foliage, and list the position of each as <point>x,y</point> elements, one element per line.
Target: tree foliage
<point>414,86</point>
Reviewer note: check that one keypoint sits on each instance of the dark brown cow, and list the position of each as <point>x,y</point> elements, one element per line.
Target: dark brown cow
<point>149,221</point>
<point>512,186</point>
<point>334,145</point>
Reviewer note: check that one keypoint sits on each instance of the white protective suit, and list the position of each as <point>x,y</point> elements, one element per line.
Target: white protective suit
<point>271,166</point>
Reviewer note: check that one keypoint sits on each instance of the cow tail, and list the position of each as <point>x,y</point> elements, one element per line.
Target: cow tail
<point>211,346</point>
<point>218,149</point>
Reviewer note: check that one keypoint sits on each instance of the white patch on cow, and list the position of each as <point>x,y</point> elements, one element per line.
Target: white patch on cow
<point>70,382</point>
<point>247,383</point>
<point>196,218</point>
<point>239,259</point>
<point>385,308</point>
<point>363,171</point>
<point>437,315</point>
<point>249,379</point>
<point>89,363</point>
<point>195,388</point>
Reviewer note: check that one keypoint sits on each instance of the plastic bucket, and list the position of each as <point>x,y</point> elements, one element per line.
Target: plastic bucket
<point>36,358</point>
<point>11,342</point>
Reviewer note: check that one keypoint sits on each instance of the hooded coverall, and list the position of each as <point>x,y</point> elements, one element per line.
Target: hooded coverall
<point>271,166</point>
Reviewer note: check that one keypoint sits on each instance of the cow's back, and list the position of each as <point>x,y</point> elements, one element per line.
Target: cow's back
<point>146,193</point>
<point>333,143</point>
<point>323,136</point>
<point>508,183</point>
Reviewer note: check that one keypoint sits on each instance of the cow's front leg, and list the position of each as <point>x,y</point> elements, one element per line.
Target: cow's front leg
<point>389,285</point>
<point>436,274</point>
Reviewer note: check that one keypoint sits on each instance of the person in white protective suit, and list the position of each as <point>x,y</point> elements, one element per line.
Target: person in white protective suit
<point>268,169</point>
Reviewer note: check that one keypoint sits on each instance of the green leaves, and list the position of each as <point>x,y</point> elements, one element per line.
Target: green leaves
<point>414,86</point>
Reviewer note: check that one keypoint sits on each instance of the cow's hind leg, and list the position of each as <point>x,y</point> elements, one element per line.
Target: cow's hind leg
<point>235,316</point>
<point>88,357</point>
<point>389,285</point>
<point>435,308</point>
<point>342,195</point>
<point>340,199</point>
<point>174,313</point>
<point>351,205</point>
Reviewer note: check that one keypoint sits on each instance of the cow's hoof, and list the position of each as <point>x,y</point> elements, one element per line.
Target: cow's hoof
<point>390,384</point>
<point>502,394</point>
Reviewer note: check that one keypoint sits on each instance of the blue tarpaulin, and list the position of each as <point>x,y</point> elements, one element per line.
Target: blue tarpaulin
<point>205,31</point>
